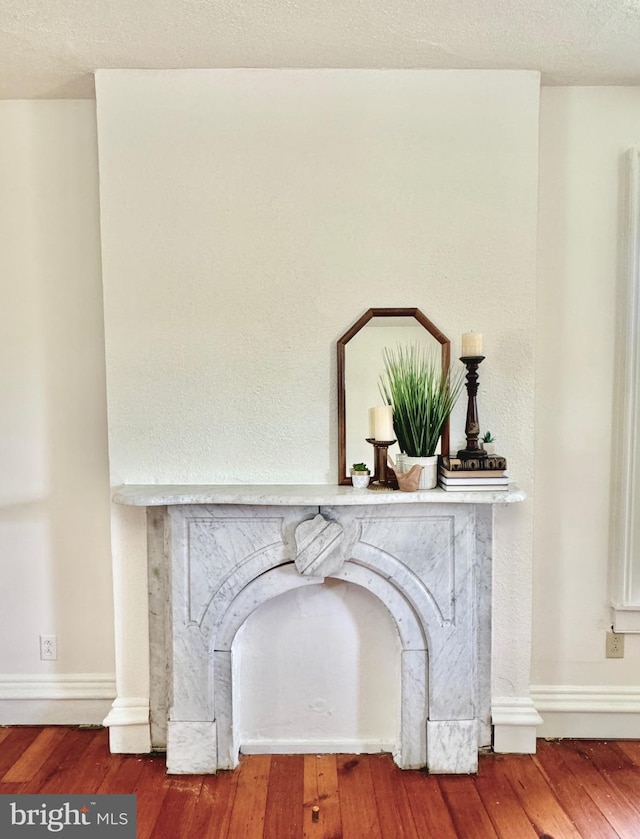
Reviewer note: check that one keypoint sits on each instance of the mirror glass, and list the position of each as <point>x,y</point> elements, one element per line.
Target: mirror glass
<point>360,364</point>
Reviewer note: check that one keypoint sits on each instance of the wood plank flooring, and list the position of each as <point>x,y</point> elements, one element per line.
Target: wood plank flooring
<point>571,789</point>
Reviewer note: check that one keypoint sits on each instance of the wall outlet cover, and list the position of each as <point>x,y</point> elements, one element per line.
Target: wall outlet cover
<point>48,647</point>
<point>615,645</point>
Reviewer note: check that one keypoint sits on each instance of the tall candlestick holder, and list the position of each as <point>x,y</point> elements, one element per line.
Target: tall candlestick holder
<point>383,478</point>
<point>472,426</point>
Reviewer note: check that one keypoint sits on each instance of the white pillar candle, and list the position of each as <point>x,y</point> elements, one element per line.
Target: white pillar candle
<point>383,423</point>
<point>472,343</point>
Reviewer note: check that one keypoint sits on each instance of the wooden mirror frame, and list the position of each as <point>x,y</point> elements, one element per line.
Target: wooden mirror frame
<point>445,344</point>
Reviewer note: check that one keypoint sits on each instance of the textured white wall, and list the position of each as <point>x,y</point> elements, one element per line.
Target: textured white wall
<point>54,511</point>
<point>584,134</point>
<point>250,216</point>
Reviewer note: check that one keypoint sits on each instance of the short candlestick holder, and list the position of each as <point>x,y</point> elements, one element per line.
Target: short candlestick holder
<point>472,426</point>
<point>383,479</point>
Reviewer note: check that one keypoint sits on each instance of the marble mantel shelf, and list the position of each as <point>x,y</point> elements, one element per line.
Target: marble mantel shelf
<point>161,495</point>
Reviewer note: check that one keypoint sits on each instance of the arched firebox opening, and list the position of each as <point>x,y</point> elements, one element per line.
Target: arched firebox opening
<point>411,743</point>
<point>317,670</point>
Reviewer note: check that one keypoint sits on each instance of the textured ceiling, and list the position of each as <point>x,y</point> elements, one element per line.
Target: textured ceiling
<point>50,48</point>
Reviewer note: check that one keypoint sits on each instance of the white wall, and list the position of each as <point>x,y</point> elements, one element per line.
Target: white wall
<point>54,494</point>
<point>249,217</point>
<point>584,133</point>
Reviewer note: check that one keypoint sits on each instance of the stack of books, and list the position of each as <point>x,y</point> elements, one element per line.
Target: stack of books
<point>478,474</point>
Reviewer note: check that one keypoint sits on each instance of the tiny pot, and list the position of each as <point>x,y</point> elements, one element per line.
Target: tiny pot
<point>360,479</point>
<point>490,448</point>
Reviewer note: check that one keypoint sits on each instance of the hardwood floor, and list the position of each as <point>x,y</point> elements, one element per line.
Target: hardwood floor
<point>569,789</point>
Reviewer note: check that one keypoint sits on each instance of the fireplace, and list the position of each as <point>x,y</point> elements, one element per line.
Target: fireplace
<point>216,555</point>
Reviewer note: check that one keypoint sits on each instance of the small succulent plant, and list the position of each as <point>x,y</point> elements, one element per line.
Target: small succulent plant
<point>488,438</point>
<point>359,467</point>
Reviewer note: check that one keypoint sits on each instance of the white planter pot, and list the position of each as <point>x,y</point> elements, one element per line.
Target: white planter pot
<point>360,480</point>
<point>490,448</point>
<point>429,476</point>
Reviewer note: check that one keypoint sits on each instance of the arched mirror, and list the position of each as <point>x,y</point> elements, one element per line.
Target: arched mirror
<point>360,363</point>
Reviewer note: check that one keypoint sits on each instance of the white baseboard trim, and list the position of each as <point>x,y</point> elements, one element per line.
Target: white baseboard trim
<point>515,724</point>
<point>57,686</point>
<point>296,747</point>
<point>588,711</point>
<point>55,698</point>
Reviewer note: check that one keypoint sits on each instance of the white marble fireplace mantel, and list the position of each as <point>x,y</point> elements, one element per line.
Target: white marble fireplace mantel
<point>159,495</point>
<point>217,552</point>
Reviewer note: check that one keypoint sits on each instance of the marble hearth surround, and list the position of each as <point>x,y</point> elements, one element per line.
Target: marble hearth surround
<point>216,553</point>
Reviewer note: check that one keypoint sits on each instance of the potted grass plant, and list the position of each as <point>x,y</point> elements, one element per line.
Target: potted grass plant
<point>422,396</point>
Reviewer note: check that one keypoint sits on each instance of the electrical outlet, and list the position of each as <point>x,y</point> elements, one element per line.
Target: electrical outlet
<point>615,645</point>
<point>48,647</point>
